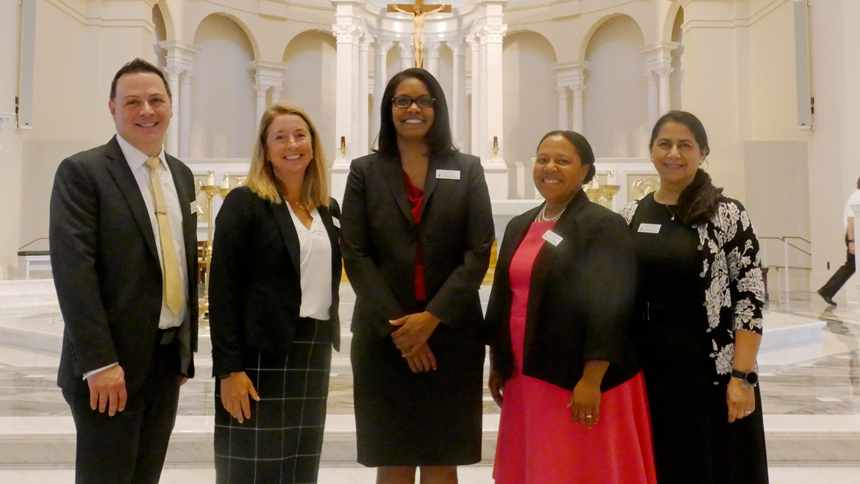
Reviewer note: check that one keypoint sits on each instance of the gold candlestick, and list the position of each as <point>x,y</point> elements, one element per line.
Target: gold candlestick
<point>210,190</point>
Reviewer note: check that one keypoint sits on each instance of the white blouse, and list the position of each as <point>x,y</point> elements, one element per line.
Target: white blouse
<point>314,267</point>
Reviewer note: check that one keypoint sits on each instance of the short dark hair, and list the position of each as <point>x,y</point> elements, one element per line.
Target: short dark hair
<point>858,183</point>
<point>582,147</point>
<point>133,67</point>
<point>687,119</point>
<point>439,137</point>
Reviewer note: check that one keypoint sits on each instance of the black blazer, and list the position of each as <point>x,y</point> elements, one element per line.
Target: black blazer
<point>106,268</point>
<point>254,285</point>
<point>581,297</point>
<point>379,238</point>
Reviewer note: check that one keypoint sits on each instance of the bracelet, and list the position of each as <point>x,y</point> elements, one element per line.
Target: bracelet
<point>850,240</point>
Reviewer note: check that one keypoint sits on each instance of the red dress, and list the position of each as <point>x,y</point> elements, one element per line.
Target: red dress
<point>539,443</point>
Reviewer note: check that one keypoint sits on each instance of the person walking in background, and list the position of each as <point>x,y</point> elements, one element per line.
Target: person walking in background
<point>416,240</point>
<point>273,296</point>
<point>841,276</point>
<point>574,408</point>
<point>123,236</point>
<point>699,303</point>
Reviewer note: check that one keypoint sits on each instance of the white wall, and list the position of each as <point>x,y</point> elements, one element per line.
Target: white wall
<point>310,82</point>
<point>616,93</point>
<point>10,138</point>
<point>530,100</point>
<point>223,100</point>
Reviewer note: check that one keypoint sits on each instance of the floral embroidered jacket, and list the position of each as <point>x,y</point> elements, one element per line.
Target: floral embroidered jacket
<point>731,278</point>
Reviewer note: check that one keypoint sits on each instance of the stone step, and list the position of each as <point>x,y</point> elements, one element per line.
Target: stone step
<point>32,442</point>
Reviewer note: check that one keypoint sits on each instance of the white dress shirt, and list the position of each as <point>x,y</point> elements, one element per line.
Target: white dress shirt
<point>854,199</point>
<point>137,162</point>
<point>314,267</point>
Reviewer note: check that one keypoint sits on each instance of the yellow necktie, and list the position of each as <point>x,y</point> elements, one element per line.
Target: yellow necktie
<point>170,268</point>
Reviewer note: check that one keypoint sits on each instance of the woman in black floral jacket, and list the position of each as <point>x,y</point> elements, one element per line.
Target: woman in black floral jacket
<point>700,297</point>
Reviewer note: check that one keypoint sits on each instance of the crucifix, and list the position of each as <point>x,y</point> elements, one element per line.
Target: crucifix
<point>419,13</point>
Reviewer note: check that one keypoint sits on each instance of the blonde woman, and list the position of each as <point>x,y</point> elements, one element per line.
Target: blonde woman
<point>273,307</point>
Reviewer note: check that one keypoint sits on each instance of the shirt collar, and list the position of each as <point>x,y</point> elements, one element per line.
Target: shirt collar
<point>133,156</point>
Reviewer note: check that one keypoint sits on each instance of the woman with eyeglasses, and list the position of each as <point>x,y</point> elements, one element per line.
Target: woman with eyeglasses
<point>416,238</point>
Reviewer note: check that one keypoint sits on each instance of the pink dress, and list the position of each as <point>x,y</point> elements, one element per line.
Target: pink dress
<point>539,443</point>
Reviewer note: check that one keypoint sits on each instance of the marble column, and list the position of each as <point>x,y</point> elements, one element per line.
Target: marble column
<point>653,98</point>
<point>658,67</point>
<point>363,108</point>
<point>665,89</point>
<point>578,117</point>
<point>344,98</point>
<point>494,100</point>
<point>475,46</point>
<point>458,96</point>
<point>185,115</point>
<point>431,58</point>
<point>180,67</point>
<point>406,60</point>
<point>380,79</point>
<point>562,108</point>
<point>267,75</point>
<point>262,91</point>
<point>172,141</point>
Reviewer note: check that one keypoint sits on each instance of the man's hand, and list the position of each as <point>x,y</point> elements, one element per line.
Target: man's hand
<point>107,390</point>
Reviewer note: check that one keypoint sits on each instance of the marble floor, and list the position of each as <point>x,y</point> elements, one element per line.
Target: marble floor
<point>809,367</point>
<point>467,475</point>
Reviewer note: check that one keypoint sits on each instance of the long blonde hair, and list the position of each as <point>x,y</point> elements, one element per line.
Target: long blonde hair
<point>261,177</point>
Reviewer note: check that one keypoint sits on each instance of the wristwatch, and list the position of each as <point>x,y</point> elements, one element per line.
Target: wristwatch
<point>749,378</point>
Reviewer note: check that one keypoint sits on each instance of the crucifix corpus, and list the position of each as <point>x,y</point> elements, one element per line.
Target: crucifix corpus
<point>419,13</point>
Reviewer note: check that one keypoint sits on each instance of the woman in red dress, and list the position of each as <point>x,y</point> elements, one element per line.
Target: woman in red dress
<point>574,408</point>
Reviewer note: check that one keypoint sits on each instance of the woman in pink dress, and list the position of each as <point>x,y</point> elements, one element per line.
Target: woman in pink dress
<point>574,407</point>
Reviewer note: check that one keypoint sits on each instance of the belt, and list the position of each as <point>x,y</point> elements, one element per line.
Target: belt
<point>167,336</point>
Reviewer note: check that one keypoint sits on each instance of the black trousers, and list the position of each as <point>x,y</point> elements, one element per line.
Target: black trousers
<point>129,448</point>
<point>841,276</point>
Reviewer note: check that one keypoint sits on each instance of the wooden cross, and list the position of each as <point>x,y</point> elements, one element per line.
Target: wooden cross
<point>421,7</point>
<point>419,13</point>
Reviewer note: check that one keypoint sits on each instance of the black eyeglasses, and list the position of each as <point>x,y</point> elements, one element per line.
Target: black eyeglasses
<point>404,102</point>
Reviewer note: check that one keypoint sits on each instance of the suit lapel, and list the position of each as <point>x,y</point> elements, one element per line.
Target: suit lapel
<point>544,262</point>
<point>431,181</point>
<point>288,233</point>
<point>393,174</point>
<point>124,178</point>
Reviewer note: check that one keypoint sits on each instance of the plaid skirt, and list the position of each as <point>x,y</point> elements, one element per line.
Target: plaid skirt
<point>282,441</point>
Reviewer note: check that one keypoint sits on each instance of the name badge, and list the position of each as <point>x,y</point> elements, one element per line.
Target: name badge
<point>552,237</point>
<point>335,222</point>
<point>649,228</point>
<point>447,174</point>
<point>193,207</point>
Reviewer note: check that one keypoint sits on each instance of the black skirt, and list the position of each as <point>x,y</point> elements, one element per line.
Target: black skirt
<point>693,440</point>
<point>282,441</point>
<point>424,419</point>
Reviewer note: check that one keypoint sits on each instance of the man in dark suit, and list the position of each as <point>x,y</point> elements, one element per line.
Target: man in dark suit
<point>123,253</point>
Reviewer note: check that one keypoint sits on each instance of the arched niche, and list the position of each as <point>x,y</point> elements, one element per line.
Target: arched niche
<point>310,82</point>
<point>615,100</point>
<point>530,98</point>
<point>160,36</point>
<point>222,91</point>
<point>677,76</point>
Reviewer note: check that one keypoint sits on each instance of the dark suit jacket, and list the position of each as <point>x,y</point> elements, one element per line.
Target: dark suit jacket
<point>255,285</point>
<point>581,297</point>
<point>106,268</point>
<point>379,238</point>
